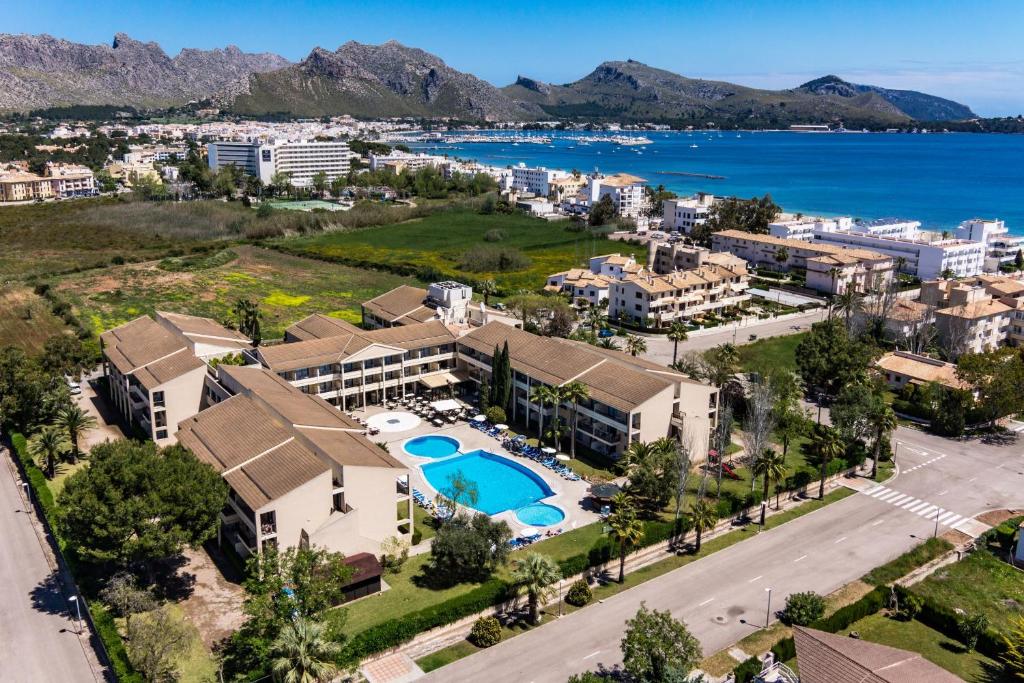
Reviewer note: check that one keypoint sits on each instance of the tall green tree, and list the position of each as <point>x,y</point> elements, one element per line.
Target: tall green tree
<point>828,446</point>
<point>575,393</point>
<point>885,423</point>
<point>136,503</point>
<point>487,288</point>
<point>704,516</point>
<point>304,654</point>
<point>653,472</point>
<point>828,358</point>
<point>657,648</point>
<point>248,314</point>
<point>536,577</point>
<point>677,333</point>
<point>542,395</point>
<point>635,344</point>
<point>319,181</point>
<point>156,642</point>
<point>625,529</point>
<point>771,467</point>
<point>996,378</point>
<point>75,422</point>
<point>468,548</point>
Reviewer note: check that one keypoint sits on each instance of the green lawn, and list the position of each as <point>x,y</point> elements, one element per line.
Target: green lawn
<point>795,461</point>
<point>908,562</point>
<point>777,353</point>
<point>980,583</point>
<point>930,644</point>
<point>287,288</point>
<point>438,242</point>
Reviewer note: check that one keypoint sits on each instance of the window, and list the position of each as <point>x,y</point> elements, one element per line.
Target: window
<point>160,418</point>
<point>161,434</point>
<point>326,369</point>
<point>158,399</point>
<point>302,374</point>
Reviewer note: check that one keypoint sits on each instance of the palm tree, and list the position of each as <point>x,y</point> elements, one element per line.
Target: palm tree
<point>487,288</point>
<point>704,516</point>
<point>608,343</point>
<point>536,576</point>
<point>781,256</point>
<point>772,467</point>
<point>575,393</point>
<point>47,447</point>
<point>75,421</point>
<point>635,344</point>
<point>303,653</point>
<point>885,422</point>
<point>542,395</point>
<point>828,445</point>
<point>596,316</point>
<point>849,303</point>
<point>625,529</point>
<point>676,333</point>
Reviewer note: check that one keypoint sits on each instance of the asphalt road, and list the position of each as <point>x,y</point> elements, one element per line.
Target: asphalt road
<point>723,597</point>
<point>659,349</point>
<point>37,637</point>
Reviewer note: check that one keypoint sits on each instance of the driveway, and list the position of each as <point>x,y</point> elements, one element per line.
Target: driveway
<point>107,419</point>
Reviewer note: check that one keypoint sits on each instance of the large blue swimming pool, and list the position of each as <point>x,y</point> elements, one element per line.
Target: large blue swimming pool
<point>432,446</point>
<point>502,484</point>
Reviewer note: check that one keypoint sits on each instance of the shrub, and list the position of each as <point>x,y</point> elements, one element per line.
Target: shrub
<point>495,415</point>
<point>579,594</point>
<point>747,670</point>
<point>909,607</point>
<point>494,235</point>
<point>972,628</point>
<point>486,631</point>
<point>1005,535</point>
<point>117,261</point>
<point>843,617</point>
<point>802,609</point>
<point>484,259</point>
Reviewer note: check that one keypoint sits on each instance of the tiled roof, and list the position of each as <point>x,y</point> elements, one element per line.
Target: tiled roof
<point>975,310</point>
<point>800,245</point>
<point>319,326</point>
<point>205,329</point>
<point>290,402</point>
<point>920,368</point>
<point>152,353</point>
<point>829,658</point>
<point>622,180</point>
<point>398,303</point>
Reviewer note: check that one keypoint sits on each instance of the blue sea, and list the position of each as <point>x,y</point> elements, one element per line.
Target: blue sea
<point>939,179</point>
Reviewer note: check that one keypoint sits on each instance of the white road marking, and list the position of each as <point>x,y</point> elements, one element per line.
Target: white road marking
<point>946,517</point>
<point>881,521</point>
<point>928,511</point>
<point>900,500</point>
<point>910,503</point>
<point>942,493</point>
<point>878,492</point>
<point>755,578</point>
<point>971,479</point>
<point>840,540</point>
<point>800,558</point>
<point>706,602</point>
<point>919,506</point>
<point>593,654</point>
<point>955,519</point>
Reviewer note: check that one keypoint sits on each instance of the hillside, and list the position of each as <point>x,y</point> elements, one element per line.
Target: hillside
<point>42,71</point>
<point>377,81</point>
<point>633,91</point>
<point>916,105</point>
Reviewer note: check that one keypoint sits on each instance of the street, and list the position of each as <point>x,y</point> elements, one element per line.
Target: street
<point>724,596</point>
<point>38,640</point>
<point>659,348</point>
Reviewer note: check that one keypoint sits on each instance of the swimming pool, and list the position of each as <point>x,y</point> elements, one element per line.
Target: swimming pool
<point>502,484</point>
<point>540,514</point>
<point>432,446</point>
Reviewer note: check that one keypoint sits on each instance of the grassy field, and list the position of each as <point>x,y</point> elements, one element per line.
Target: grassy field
<point>287,288</point>
<point>25,319</point>
<point>930,644</point>
<point>778,353</point>
<point>439,242</point>
<point>979,584</point>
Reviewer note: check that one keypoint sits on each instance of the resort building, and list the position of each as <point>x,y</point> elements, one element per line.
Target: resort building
<point>659,300</point>
<point>299,160</point>
<point>904,320</point>
<point>536,180</point>
<point>353,368</point>
<point>1001,248</point>
<point>593,285</point>
<point>803,228</point>
<point>668,257</point>
<point>630,399</point>
<point>917,257</point>
<point>155,368</point>
<point>61,181</point>
<point>300,472</point>
<point>450,302</point>
<point>830,268</point>
<point>398,161</point>
<point>626,191</point>
<point>685,213</point>
<point>978,324</point>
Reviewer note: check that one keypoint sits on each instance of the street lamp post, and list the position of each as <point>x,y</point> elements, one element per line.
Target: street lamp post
<point>78,613</point>
<point>559,597</point>
<point>28,495</point>
<point>936,532</point>
<point>768,615</point>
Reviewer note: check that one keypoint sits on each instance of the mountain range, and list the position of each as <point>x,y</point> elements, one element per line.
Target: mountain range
<point>393,80</point>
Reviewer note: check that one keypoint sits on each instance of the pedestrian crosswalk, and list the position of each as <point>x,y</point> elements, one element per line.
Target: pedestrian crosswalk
<point>919,507</point>
<point>926,462</point>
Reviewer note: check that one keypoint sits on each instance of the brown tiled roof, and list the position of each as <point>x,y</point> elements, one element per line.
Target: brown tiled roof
<point>147,350</point>
<point>293,405</point>
<point>975,310</point>
<point>614,378</point>
<point>829,658</point>
<point>398,303</point>
<point>920,368</point>
<point>350,449</point>
<point>622,180</point>
<point>314,352</point>
<point>205,329</point>
<point>274,474</point>
<point>319,326</point>
<point>814,247</point>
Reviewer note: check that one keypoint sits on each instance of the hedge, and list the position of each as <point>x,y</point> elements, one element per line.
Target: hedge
<point>947,622</point>
<point>104,624</point>
<point>916,557</point>
<point>747,670</point>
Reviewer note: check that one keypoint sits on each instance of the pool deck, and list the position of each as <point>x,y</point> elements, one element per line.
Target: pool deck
<point>570,496</point>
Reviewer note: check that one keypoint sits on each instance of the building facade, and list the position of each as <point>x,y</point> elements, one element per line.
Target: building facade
<point>626,192</point>
<point>923,259</point>
<point>299,160</point>
<point>61,181</point>
<point>659,300</point>
<point>685,213</point>
<point>536,180</point>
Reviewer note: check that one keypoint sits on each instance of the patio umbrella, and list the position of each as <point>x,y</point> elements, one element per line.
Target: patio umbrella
<point>479,418</point>
<point>604,491</point>
<point>529,531</point>
<point>549,450</point>
<point>501,428</point>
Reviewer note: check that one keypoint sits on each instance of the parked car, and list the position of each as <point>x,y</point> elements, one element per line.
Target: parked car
<point>605,332</point>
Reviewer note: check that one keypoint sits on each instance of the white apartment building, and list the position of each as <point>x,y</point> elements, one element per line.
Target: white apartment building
<point>397,161</point>
<point>1001,247</point>
<point>536,180</point>
<point>300,160</point>
<point>926,260</point>
<point>626,191</point>
<point>660,300</point>
<point>804,228</point>
<point>684,213</point>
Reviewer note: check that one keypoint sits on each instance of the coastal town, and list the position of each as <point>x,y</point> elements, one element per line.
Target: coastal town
<point>357,367</point>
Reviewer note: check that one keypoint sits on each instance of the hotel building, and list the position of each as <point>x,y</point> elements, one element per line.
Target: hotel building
<point>536,180</point>
<point>660,300</point>
<point>626,192</point>
<point>923,259</point>
<point>60,182</point>
<point>300,160</point>
<point>685,213</point>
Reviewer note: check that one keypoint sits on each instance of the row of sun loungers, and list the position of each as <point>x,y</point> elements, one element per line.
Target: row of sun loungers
<point>437,510</point>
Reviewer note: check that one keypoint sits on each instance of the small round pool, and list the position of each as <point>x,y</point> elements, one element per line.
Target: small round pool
<point>540,514</point>
<point>432,446</point>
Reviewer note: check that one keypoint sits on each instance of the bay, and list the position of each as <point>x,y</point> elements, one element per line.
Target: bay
<point>939,179</point>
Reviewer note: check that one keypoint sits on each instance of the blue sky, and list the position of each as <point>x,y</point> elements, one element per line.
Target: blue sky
<point>968,51</point>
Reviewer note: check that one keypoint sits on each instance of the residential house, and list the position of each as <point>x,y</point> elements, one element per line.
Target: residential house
<point>660,300</point>
<point>900,368</point>
<point>686,213</point>
<point>626,191</point>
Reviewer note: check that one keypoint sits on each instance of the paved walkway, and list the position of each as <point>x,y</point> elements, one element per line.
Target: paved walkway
<point>39,639</point>
<point>396,668</point>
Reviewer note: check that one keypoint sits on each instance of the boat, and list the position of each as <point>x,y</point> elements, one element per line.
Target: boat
<point>693,146</point>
